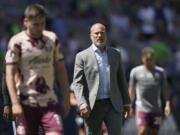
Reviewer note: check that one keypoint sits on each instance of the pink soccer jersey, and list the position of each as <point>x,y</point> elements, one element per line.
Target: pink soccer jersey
<point>35,59</point>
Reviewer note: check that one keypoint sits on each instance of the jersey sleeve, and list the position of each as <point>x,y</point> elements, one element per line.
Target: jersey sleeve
<point>13,52</point>
<point>132,80</point>
<point>58,55</point>
<point>164,79</point>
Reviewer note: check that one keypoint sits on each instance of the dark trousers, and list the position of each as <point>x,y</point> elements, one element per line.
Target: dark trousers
<point>103,111</point>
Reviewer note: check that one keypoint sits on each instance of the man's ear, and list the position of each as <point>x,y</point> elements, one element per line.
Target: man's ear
<point>142,59</point>
<point>25,21</point>
<point>90,35</point>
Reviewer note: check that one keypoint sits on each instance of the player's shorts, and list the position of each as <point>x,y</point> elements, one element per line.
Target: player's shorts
<point>47,117</point>
<point>152,120</point>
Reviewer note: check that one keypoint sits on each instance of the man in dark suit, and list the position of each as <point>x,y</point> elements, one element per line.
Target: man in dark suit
<point>100,86</point>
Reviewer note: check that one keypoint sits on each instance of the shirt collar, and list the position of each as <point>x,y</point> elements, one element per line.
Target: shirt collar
<point>97,49</point>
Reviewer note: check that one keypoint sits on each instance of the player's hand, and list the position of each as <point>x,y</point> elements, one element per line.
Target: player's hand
<point>7,113</point>
<point>131,112</point>
<point>126,111</point>
<point>167,110</point>
<point>17,110</point>
<point>85,110</point>
<point>65,107</point>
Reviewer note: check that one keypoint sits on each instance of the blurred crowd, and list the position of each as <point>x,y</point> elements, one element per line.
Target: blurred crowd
<point>131,25</point>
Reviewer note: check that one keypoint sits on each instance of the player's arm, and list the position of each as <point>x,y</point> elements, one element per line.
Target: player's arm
<point>10,74</point>
<point>165,94</point>
<point>64,84</point>
<point>7,111</point>
<point>61,77</point>
<point>132,93</point>
<point>131,90</point>
<point>5,94</point>
<point>167,108</point>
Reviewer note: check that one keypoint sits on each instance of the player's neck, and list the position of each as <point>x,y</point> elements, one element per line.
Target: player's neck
<point>149,68</point>
<point>32,36</point>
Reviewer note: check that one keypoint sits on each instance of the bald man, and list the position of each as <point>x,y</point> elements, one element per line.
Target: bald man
<point>100,86</point>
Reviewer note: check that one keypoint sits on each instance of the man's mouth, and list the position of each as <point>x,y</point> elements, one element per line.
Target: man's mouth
<point>100,39</point>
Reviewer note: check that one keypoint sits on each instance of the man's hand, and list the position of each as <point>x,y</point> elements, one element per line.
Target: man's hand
<point>7,113</point>
<point>167,110</point>
<point>126,111</point>
<point>84,110</point>
<point>65,107</point>
<point>131,112</point>
<point>17,110</point>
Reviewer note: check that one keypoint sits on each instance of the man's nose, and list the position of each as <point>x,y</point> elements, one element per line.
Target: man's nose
<point>40,27</point>
<point>99,34</point>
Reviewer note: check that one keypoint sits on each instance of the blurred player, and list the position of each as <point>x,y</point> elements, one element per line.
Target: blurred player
<point>7,109</point>
<point>36,54</point>
<point>147,81</point>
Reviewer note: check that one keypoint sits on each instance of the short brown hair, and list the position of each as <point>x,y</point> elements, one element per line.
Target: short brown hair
<point>34,10</point>
<point>148,52</point>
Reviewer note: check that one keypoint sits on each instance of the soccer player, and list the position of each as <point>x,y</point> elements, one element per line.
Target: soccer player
<point>36,54</point>
<point>147,81</point>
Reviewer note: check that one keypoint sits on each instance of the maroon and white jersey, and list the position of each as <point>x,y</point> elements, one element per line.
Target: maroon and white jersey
<point>35,59</point>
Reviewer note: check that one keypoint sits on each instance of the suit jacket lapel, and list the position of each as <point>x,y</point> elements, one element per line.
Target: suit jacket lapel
<point>110,60</point>
<point>109,53</point>
<point>93,57</point>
